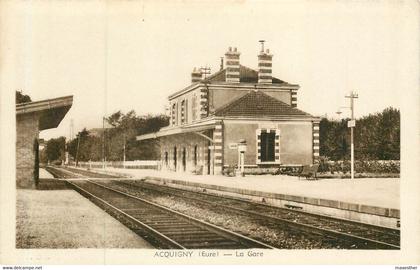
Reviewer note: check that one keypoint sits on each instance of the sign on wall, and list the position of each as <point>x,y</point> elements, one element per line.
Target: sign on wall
<point>233,146</point>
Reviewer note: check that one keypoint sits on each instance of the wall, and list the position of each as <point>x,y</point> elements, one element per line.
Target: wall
<point>26,134</point>
<point>295,141</point>
<point>189,101</point>
<point>235,132</point>
<point>188,141</point>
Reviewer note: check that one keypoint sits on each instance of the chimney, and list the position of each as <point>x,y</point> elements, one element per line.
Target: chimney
<point>232,65</point>
<point>265,60</point>
<point>195,75</point>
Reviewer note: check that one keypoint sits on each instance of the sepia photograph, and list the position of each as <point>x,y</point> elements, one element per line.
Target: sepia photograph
<point>209,132</point>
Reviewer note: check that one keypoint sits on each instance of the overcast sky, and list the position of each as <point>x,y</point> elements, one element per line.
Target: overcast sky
<point>131,55</point>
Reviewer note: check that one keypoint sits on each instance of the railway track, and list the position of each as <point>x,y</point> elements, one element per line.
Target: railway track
<point>161,226</point>
<point>355,234</point>
<point>352,234</point>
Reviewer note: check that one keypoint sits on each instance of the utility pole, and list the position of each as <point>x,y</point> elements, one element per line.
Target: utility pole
<point>77,150</point>
<point>124,153</point>
<point>103,142</point>
<point>352,124</point>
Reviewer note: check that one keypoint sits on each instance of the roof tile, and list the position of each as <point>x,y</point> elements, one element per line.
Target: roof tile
<point>259,104</point>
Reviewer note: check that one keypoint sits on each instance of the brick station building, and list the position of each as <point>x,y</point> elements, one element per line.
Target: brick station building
<point>210,116</point>
<point>31,118</point>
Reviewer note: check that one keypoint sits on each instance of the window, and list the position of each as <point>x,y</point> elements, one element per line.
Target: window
<point>267,146</point>
<point>166,159</point>
<point>194,107</point>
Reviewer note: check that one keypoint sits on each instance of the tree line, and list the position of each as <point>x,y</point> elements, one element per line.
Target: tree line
<point>376,136</point>
<point>111,142</point>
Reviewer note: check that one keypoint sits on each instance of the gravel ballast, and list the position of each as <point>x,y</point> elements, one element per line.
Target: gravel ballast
<point>239,223</point>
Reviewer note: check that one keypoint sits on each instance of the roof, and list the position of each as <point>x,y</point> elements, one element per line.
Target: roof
<point>50,111</point>
<point>246,75</point>
<point>178,130</point>
<point>259,104</point>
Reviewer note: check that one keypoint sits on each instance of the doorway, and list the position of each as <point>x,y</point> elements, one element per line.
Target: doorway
<point>175,156</point>
<point>208,159</point>
<point>184,159</point>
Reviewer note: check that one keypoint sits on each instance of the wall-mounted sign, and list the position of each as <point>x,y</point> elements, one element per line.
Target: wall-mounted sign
<point>233,146</point>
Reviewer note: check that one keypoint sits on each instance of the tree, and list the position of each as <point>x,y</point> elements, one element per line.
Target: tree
<point>126,128</point>
<point>54,149</point>
<point>21,98</point>
<point>376,136</point>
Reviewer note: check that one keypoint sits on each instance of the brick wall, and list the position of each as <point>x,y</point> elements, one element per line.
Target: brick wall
<point>26,134</point>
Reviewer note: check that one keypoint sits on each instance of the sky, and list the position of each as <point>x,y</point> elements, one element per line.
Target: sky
<point>130,55</point>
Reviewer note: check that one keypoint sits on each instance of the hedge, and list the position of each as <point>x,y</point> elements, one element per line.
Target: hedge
<point>361,166</point>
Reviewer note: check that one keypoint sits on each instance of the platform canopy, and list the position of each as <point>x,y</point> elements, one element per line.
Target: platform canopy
<point>49,111</point>
<point>197,127</point>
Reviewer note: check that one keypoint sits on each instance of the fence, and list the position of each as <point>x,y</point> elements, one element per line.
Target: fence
<point>135,164</point>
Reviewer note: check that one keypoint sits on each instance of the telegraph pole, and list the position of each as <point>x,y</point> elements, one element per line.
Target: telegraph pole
<point>103,142</point>
<point>124,153</point>
<point>352,124</point>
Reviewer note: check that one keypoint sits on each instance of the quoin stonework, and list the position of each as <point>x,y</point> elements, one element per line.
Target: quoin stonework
<point>237,104</point>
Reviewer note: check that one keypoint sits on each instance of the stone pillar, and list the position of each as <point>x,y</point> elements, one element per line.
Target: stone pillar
<point>27,132</point>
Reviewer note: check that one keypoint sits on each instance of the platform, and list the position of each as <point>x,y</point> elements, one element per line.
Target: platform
<point>44,174</point>
<point>381,192</point>
<point>65,219</point>
<point>370,200</point>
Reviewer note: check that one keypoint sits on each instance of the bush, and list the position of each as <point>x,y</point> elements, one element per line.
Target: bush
<point>360,166</point>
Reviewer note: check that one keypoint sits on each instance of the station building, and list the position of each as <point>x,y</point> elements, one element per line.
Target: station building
<point>209,117</point>
<point>31,118</point>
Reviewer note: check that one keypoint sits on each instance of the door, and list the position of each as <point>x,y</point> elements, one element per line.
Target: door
<point>184,159</point>
<point>175,156</point>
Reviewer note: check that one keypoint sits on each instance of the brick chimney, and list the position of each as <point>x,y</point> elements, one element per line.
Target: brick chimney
<point>265,61</point>
<point>232,65</point>
<point>196,75</point>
